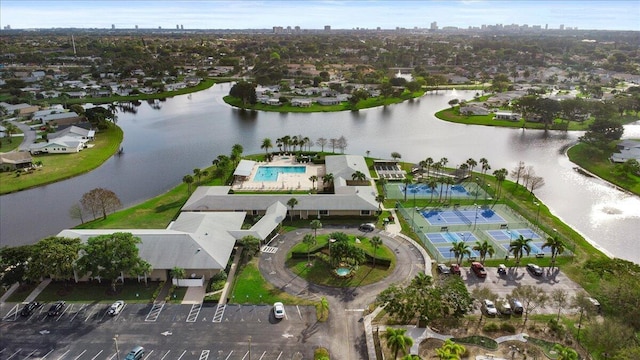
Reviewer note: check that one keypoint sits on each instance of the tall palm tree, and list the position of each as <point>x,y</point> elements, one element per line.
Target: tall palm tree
<point>428,162</point>
<point>501,176</point>
<point>406,182</point>
<point>197,173</point>
<point>432,183</point>
<point>380,199</point>
<point>313,179</point>
<point>306,141</point>
<point>448,181</point>
<point>557,247</point>
<point>292,203</point>
<point>483,248</point>
<point>485,165</point>
<point>442,180</point>
<point>472,163</point>
<point>518,247</point>
<point>397,341</point>
<point>460,249</point>
<point>236,153</point>
<point>188,179</point>
<point>266,144</point>
<point>327,179</point>
<point>315,225</point>
<point>309,240</point>
<point>375,242</point>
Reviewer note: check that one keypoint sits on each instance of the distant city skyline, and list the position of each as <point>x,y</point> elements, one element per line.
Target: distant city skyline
<point>385,14</point>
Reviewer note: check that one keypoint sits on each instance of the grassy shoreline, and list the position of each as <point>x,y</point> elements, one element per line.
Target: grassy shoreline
<point>344,106</point>
<point>599,165</point>
<point>58,167</point>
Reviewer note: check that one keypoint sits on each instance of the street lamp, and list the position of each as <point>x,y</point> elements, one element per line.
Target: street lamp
<point>477,188</point>
<point>537,214</point>
<point>331,241</point>
<point>115,339</point>
<point>475,221</point>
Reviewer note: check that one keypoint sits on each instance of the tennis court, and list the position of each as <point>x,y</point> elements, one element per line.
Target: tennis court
<point>443,241</point>
<point>505,237</point>
<point>462,217</point>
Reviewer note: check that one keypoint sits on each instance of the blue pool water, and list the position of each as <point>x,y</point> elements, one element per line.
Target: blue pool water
<point>343,271</point>
<point>270,173</point>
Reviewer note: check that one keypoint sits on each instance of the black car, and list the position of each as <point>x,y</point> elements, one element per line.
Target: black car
<point>534,269</point>
<point>29,308</point>
<point>56,308</point>
<point>444,269</point>
<point>367,227</point>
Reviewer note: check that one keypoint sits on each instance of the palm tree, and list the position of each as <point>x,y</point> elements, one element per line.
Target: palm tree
<point>500,175</point>
<point>328,179</point>
<point>448,182</point>
<point>292,203</point>
<point>266,144</point>
<point>375,242</point>
<point>406,182</point>
<point>397,341</point>
<point>309,240</point>
<point>485,166</point>
<point>236,153</point>
<point>188,179</point>
<point>197,173</point>
<point>315,225</point>
<point>380,199</point>
<point>460,249</point>
<point>557,247</point>
<point>472,163</point>
<point>306,141</point>
<point>450,351</point>
<point>432,183</point>
<point>313,179</point>
<point>565,352</point>
<point>428,162</point>
<point>483,248</point>
<point>518,247</point>
<point>359,176</point>
<point>442,180</point>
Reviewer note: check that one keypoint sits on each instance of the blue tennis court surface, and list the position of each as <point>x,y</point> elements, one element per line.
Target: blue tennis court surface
<point>504,237</point>
<point>443,241</point>
<point>462,217</point>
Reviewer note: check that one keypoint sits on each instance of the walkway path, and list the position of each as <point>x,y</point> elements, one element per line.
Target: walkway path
<point>347,305</point>
<point>29,136</point>
<point>34,294</point>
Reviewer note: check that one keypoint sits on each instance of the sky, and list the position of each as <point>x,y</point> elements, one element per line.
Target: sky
<point>312,14</point>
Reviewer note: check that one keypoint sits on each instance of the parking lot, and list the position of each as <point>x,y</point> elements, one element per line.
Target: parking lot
<point>503,285</point>
<point>166,331</point>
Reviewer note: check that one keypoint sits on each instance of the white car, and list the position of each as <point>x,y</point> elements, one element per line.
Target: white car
<point>489,308</point>
<point>278,310</point>
<point>115,308</point>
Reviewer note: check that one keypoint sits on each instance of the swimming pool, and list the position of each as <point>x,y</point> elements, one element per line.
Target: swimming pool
<point>270,173</point>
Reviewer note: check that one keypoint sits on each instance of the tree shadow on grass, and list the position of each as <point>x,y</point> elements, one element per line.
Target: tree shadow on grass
<point>169,206</point>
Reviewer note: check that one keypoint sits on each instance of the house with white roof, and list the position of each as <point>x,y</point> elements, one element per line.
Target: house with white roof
<point>627,149</point>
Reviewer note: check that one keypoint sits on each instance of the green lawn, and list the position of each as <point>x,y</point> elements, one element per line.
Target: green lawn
<point>90,292</point>
<point>6,146</point>
<point>56,167</point>
<point>251,288</point>
<point>452,115</point>
<point>344,106</point>
<point>598,163</point>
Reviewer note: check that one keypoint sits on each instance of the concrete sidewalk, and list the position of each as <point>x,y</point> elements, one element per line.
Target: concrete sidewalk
<point>195,294</point>
<point>6,295</point>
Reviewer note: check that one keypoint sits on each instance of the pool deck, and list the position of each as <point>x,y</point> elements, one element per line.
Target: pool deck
<point>285,182</point>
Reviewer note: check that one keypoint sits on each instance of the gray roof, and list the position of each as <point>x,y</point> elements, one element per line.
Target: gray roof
<point>274,215</point>
<point>244,168</point>
<point>345,165</point>
<point>193,241</point>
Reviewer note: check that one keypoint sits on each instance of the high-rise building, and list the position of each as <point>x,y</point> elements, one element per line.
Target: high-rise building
<point>327,28</point>
<point>136,27</point>
<point>113,26</point>
<point>561,26</point>
<point>434,25</point>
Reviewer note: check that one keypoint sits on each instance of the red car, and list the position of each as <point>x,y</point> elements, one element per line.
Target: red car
<point>479,270</point>
<point>455,269</point>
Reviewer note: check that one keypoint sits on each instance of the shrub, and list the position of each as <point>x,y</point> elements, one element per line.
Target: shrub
<point>508,328</point>
<point>491,327</point>
<point>321,354</point>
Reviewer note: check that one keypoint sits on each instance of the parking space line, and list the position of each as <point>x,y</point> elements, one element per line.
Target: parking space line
<point>28,356</point>
<point>65,353</point>
<point>79,356</point>
<point>98,354</point>
<point>181,355</point>
<point>245,355</point>
<point>262,355</point>
<point>112,356</point>
<point>14,354</point>
<point>47,354</point>
<point>217,317</point>
<point>228,356</point>
<point>165,355</point>
<point>13,312</point>
<point>78,312</point>
<point>299,313</point>
<point>154,312</point>
<point>279,355</point>
<point>64,311</point>
<point>149,354</point>
<point>204,355</point>
<point>90,313</point>
<point>194,312</point>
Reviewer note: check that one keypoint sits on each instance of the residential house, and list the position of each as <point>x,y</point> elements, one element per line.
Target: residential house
<point>474,109</point>
<point>15,160</point>
<point>19,109</point>
<point>328,101</point>
<point>507,115</point>
<point>59,118</point>
<point>301,102</point>
<point>627,149</point>
<point>68,140</point>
